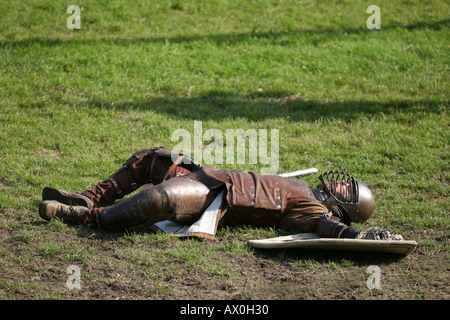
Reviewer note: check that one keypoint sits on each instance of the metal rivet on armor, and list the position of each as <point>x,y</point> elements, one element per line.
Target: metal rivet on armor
<point>278,198</point>
<point>279,206</point>
<point>253,203</point>
<point>253,194</point>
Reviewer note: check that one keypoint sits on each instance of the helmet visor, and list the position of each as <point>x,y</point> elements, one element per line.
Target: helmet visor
<point>341,186</point>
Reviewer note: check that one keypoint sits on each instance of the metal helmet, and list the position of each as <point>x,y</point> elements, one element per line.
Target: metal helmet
<point>355,204</point>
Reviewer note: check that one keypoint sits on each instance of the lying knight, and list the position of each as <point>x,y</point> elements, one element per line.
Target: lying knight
<point>177,188</point>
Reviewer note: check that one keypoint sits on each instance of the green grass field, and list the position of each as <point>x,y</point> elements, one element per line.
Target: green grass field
<point>75,104</point>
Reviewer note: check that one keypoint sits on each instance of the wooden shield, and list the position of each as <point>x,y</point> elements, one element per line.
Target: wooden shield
<point>313,241</point>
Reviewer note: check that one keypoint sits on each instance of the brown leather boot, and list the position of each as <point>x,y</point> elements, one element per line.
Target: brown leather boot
<point>70,214</point>
<point>66,197</point>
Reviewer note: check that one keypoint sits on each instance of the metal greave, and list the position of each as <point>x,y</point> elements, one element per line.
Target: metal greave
<point>180,199</point>
<point>134,210</point>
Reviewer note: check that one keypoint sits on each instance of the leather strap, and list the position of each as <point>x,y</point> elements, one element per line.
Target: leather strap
<point>173,166</point>
<point>116,186</point>
<point>152,166</point>
<point>342,231</point>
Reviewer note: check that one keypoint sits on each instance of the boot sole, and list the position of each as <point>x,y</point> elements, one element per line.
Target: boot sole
<point>54,194</point>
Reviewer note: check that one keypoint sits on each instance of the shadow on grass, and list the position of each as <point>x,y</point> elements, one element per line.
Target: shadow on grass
<point>328,256</point>
<point>225,38</point>
<point>220,105</point>
<point>274,255</point>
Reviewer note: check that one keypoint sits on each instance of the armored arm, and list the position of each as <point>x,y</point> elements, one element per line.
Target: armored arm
<point>331,227</point>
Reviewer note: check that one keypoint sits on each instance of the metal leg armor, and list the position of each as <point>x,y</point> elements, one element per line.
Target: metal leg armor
<point>179,199</point>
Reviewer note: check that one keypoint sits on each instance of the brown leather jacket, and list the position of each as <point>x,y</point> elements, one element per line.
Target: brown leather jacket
<point>259,200</point>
